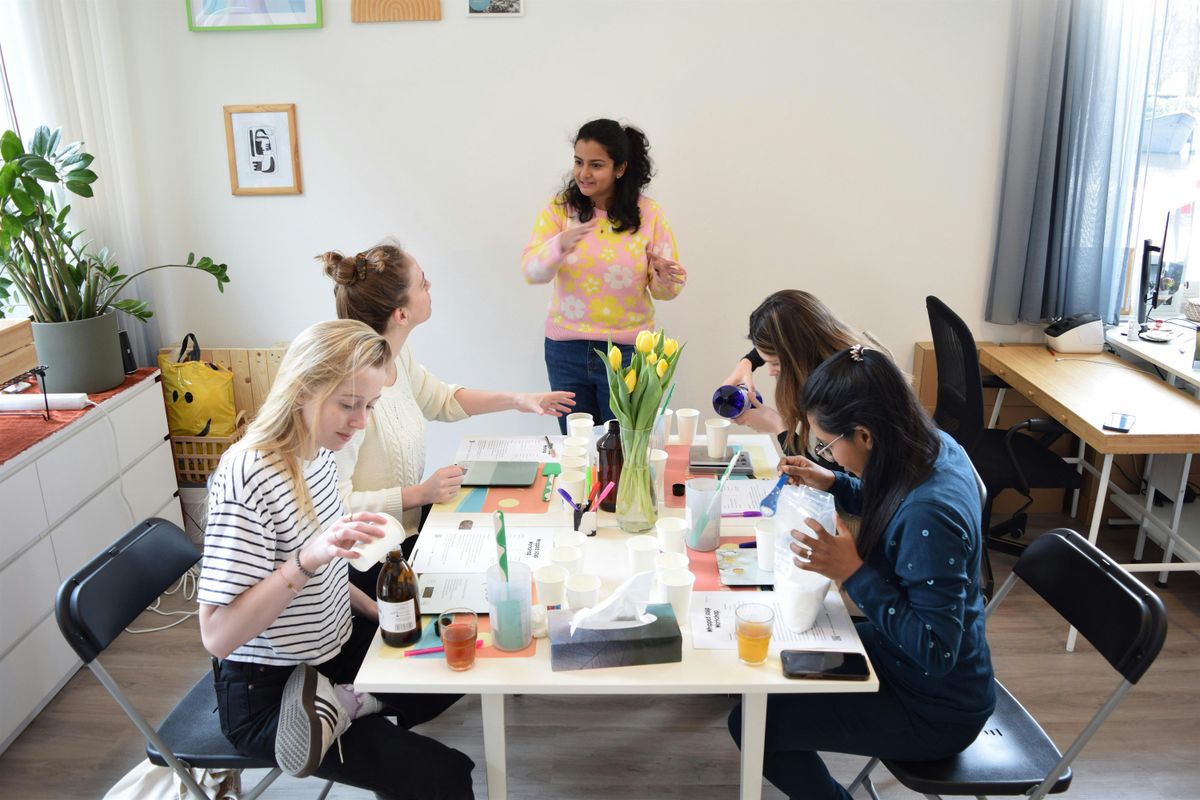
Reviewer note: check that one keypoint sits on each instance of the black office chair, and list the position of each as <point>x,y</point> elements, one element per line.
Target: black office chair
<point>1005,459</point>
<point>1012,755</point>
<point>101,599</point>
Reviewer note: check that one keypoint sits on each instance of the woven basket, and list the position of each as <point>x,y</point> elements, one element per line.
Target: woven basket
<point>1191,309</point>
<point>196,457</point>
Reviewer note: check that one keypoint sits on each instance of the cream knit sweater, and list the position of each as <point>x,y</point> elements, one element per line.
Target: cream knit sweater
<point>390,452</point>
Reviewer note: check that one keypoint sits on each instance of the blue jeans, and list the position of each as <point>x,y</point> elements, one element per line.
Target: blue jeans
<point>573,366</point>
<point>877,724</point>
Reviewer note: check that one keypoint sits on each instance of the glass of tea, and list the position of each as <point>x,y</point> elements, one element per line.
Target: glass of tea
<point>459,628</point>
<point>754,623</point>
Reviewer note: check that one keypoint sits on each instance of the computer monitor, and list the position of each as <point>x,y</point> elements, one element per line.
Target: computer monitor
<point>1153,278</point>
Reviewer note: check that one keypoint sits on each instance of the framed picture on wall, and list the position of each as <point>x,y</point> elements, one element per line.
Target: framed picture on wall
<point>240,15</point>
<point>264,156</point>
<point>495,8</point>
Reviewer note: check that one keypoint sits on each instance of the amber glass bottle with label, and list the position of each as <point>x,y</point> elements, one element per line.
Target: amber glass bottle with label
<point>399,604</point>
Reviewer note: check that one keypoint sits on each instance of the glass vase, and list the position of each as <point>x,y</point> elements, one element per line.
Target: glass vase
<point>637,507</point>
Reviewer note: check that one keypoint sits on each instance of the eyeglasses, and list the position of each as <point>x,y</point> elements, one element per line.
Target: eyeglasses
<point>822,450</point>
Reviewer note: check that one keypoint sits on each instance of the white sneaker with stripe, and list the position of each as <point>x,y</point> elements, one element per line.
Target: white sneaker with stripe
<point>310,720</point>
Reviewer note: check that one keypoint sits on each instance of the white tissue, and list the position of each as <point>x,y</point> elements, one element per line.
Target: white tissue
<point>620,610</point>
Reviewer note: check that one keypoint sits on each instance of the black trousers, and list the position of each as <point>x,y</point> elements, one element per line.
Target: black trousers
<point>387,759</point>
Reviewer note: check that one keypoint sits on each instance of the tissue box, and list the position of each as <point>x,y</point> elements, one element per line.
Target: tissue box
<point>657,642</point>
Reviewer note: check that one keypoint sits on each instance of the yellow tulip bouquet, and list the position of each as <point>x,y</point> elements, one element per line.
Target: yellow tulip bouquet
<point>635,395</point>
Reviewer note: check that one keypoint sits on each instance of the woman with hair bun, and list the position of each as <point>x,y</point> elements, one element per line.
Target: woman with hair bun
<point>610,252</point>
<point>381,468</point>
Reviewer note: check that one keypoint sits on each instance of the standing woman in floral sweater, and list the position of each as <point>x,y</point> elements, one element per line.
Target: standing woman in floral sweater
<point>610,252</point>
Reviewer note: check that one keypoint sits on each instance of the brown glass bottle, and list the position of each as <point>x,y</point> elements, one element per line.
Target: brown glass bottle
<point>610,459</point>
<point>399,603</point>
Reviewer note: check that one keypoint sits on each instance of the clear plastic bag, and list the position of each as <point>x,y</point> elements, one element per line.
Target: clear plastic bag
<point>800,593</point>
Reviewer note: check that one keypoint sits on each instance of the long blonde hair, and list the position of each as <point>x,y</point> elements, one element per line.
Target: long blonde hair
<point>801,331</point>
<point>319,359</point>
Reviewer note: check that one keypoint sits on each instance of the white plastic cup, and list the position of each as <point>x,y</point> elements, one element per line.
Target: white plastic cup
<point>668,416</point>
<point>570,481</point>
<point>716,434</point>
<point>551,582</point>
<point>677,584</point>
<point>668,562</point>
<point>764,542</point>
<point>658,471</point>
<point>670,531</point>
<point>569,558</point>
<point>686,420</point>
<point>642,550</point>
<point>373,552</point>
<point>583,591</point>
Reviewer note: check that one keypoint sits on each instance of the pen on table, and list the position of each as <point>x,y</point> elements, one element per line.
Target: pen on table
<point>439,649</point>
<point>743,514</point>
<point>549,445</point>
<point>567,496</point>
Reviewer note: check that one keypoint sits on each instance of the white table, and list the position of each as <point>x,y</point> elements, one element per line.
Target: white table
<point>1177,528</point>
<point>700,671</point>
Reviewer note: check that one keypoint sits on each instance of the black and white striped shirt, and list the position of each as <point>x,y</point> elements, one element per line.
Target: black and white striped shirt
<point>254,525</point>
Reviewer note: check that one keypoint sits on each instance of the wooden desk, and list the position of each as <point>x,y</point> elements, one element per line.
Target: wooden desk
<point>700,671</point>
<point>1081,391</point>
<point>1173,357</point>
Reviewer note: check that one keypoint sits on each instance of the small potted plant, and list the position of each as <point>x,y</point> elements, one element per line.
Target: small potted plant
<point>71,292</point>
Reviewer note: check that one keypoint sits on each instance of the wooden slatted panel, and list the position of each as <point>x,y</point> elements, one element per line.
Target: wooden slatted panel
<point>260,378</point>
<point>395,10</point>
<point>243,395</point>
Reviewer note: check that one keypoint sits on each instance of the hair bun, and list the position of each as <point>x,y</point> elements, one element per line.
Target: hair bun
<point>344,271</point>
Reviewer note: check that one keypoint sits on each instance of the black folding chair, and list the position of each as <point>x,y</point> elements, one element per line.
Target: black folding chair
<point>100,600</point>
<point>1012,755</point>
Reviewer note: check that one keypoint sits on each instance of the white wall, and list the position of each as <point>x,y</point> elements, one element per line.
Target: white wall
<point>849,148</point>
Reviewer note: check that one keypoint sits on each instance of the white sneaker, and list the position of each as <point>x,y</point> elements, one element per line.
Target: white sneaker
<point>310,720</point>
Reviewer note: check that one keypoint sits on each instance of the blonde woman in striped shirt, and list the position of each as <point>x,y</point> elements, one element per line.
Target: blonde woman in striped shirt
<point>275,599</point>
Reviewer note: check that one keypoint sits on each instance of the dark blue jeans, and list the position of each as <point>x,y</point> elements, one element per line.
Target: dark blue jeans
<point>248,700</point>
<point>879,724</point>
<point>573,366</point>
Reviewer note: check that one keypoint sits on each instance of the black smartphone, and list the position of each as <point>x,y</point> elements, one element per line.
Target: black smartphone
<point>1119,422</point>
<point>831,666</point>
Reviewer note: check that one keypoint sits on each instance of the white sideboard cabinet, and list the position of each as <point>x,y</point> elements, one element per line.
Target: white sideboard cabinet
<point>60,504</point>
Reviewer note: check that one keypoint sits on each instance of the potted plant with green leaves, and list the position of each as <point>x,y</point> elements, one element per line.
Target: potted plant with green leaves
<point>72,292</point>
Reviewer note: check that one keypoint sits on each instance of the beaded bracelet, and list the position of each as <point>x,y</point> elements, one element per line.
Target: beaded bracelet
<point>300,567</point>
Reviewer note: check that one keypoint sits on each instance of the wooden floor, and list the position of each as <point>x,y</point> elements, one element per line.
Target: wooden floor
<point>646,748</point>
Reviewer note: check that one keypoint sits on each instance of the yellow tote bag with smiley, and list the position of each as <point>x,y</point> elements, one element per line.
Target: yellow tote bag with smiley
<point>199,395</point>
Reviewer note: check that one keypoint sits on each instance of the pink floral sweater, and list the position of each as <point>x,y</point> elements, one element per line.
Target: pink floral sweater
<point>604,287</point>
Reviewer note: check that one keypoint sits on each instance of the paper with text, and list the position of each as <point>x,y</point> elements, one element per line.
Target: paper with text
<point>508,448</point>
<point>450,550</point>
<point>741,496</point>
<point>712,621</point>
<point>444,591</point>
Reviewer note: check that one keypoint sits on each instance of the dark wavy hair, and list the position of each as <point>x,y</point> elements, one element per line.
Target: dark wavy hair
<point>846,393</point>
<point>625,145</point>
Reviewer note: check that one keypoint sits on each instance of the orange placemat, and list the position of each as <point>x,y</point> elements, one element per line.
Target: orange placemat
<point>19,432</point>
<point>704,567</point>
<point>511,500</point>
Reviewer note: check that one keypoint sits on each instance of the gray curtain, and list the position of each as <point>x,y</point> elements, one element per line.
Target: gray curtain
<point>1078,94</point>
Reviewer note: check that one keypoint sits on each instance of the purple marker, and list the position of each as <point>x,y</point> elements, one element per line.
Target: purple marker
<point>744,514</point>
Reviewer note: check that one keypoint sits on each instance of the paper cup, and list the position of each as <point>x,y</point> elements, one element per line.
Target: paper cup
<point>573,463</point>
<point>716,434</point>
<point>670,531</point>
<point>583,591</point>
<point>569,558</point>
<point>668,417</point>
<point>764,541</point>
<point>642,550</point>
<point>677,584</point>
<point>581,426</point>
<point>568,539</point>
<point>570,481</point>
<point>372,552</point>
<point>551,582</point>
<point>685,421</point>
